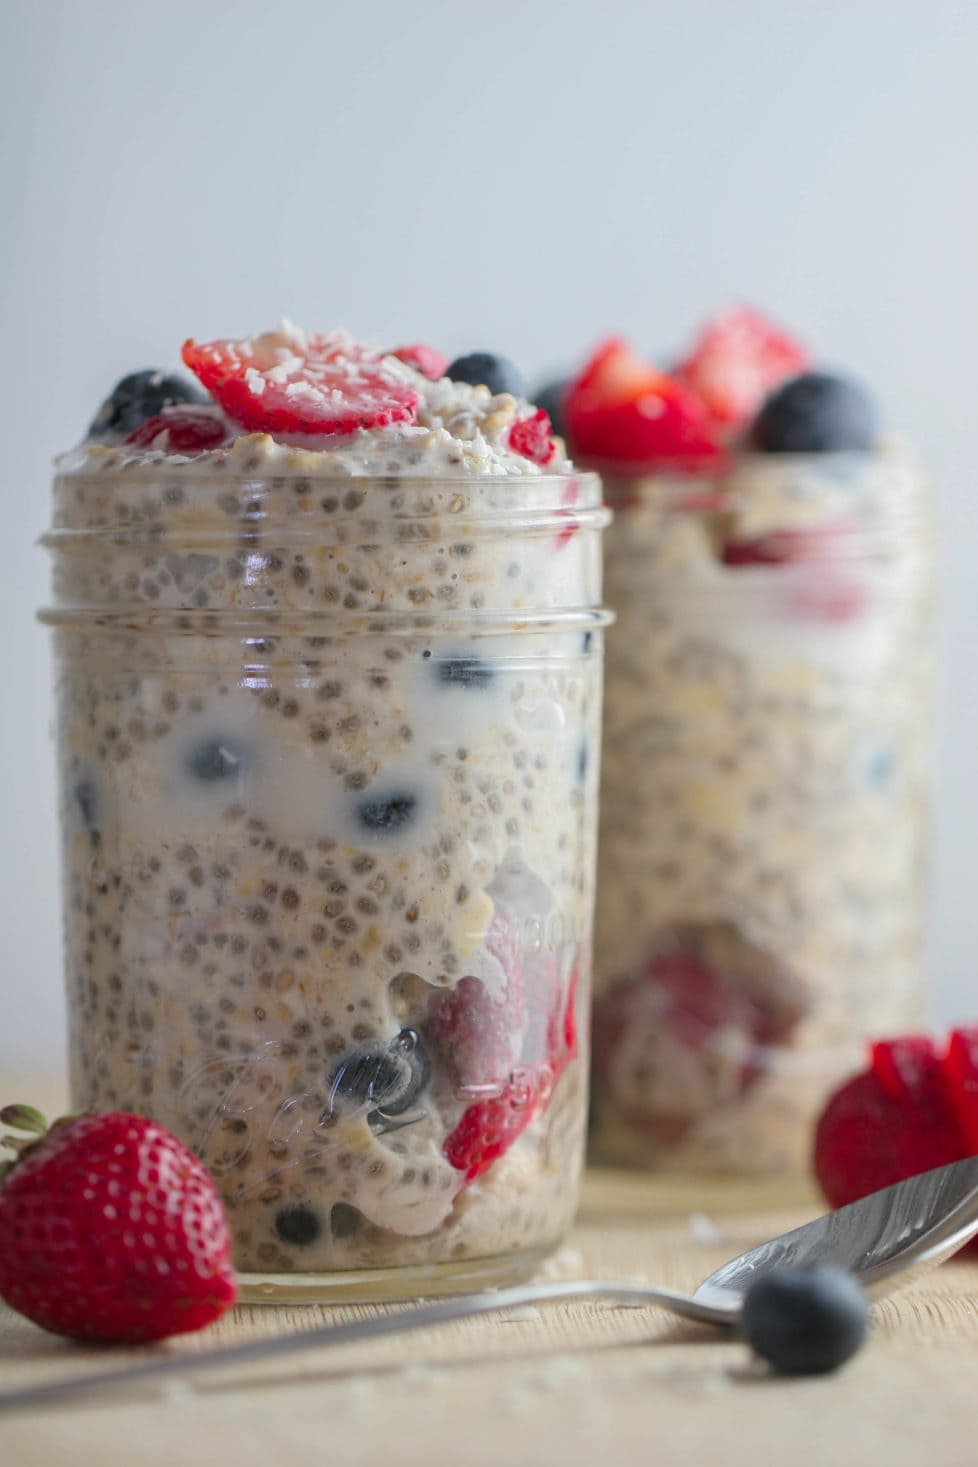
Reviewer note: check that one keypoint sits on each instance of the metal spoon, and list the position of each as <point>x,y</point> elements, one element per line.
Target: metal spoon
<point>885,1240</point>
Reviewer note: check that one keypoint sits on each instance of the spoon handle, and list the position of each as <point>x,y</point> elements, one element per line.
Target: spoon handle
<point>405,1321</point>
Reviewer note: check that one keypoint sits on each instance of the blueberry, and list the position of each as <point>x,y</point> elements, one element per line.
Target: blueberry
<point>213,760</point>
<point>582,761</point>
<point>299,1226</point>
<point>344,1220</point>
<point>465,672</point>
<point>816,413</point>
<point>805,1322</point>
<point>139,396</point>
<point>485,369</point>
<point>387,814</point>
<point>550,397</point>
<point>86,798</point>
<point>389,1080</point>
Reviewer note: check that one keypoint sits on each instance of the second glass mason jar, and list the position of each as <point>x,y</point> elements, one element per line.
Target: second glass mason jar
<point>763,801</point>
<point>329,756</point>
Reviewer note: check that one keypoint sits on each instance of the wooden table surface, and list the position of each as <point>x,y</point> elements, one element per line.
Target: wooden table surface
<point>566,1385</point>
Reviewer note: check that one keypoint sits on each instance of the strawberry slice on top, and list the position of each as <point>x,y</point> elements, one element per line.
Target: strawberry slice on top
<point>623,413</point>
<point>737,360</point>
<point>286,382</point>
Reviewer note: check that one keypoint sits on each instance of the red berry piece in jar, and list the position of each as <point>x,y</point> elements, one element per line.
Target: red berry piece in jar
<point>738,359</point>
<point>427,360</point>
<point>891,1122</point>
<point>289,383</point>
<point>831,584</point>
<point>531,437</point>
<point>111,1231</point>
<point>489,1128</point>
<point>623,413</point>
<point>479,1035</point>
<point>692,1031</point>
<point>181,430</point>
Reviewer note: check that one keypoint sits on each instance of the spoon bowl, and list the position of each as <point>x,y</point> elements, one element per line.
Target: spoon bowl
<point>885,1240</point>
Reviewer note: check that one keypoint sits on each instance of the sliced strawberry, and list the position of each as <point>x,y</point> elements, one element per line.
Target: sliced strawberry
<point>427,360</point>
<point>183,430</point>
<point>871,1135</point>
<point>908,1069</point>
<point>477,1037</point>
<point>961,1073</point>
<point>289,383</point>
<point>622,413</point>
<point>531,437</point>
<point>736,362</point>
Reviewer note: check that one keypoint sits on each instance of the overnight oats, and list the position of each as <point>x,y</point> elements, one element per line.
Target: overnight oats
<point>328,690</point>
<point>766,746</point>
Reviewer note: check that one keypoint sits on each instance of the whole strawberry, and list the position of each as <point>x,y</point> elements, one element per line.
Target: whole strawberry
<point>111,1230</point>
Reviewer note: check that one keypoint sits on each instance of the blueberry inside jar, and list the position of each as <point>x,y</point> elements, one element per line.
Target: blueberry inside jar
<point>322,687</point>
<point>766,744</point>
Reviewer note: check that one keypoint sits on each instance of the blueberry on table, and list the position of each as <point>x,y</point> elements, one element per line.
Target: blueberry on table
<point>816,413</point>
<point>388,1079</point>
<point>299,1226</point>
<point>387,814</point>
<point>550,397</point>
<point>485,369</point>
<point>140,396</point>
<point>216,760</point>
<point>465,672</point>
<point>805,1321</point>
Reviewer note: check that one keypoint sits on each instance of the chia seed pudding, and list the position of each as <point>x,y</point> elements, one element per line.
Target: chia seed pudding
<point>328,725</point>
<point>765,774</point>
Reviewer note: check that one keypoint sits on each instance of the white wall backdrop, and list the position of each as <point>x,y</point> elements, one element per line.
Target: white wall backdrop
<point>516,174</point>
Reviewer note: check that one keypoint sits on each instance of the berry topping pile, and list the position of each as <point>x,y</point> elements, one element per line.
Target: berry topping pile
<point>743,381</point>
<point>111,1230</point>
<point>309,392</point>
<point>914,1108</point>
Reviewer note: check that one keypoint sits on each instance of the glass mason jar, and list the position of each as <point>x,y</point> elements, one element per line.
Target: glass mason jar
<point>328,758</point>
<point>767,743</point>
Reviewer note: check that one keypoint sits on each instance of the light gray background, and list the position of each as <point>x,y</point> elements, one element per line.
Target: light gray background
<point>517,174</point>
